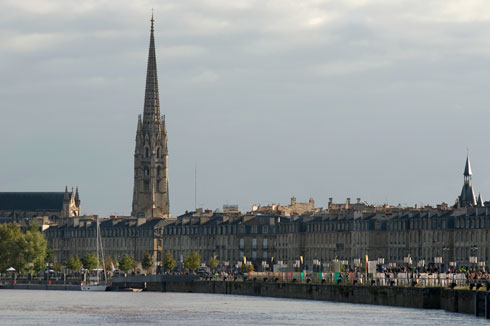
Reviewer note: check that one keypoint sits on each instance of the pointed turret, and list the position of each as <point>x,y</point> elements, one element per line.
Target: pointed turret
<point>138,127</point>
<point>151,111</point>
<point>480,201</point>
<point>66,194</point>
<point>467,197</point>
<point>467,168</point>
<point>77,198</point>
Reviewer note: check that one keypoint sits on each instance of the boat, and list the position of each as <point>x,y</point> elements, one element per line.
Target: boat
<point>97,284</point>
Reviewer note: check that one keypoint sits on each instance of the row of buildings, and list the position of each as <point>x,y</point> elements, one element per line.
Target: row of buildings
<point>298,234</point>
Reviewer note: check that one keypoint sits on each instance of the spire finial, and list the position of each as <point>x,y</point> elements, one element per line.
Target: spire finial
<point>152,20</point>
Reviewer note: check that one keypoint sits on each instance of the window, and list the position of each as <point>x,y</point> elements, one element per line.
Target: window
<point>254,243</point>
<point>264,255</point>
<point>254,255</point>
<point>242,244</point>
<point>147,152</point>
<point>264,243</point>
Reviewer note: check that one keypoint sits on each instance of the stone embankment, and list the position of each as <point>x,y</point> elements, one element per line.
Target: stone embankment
<point>461,301</point>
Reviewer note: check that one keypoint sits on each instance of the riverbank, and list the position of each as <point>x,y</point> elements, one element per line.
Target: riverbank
<point>46,286</point>
<point>461,301</point>
<point>476,303</point>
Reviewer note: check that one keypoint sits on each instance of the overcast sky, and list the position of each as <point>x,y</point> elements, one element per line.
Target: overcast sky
<point>270,99</point>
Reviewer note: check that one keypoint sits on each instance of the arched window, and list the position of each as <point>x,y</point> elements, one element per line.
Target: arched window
<point>147,172</point>
<point>159,170</point>
<point>158,152</point>
<point>147,152</point>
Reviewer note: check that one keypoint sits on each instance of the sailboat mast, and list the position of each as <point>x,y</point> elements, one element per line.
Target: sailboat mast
<point>97,244</point>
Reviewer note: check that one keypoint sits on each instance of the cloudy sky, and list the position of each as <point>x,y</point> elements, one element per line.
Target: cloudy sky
<point>270,99</point>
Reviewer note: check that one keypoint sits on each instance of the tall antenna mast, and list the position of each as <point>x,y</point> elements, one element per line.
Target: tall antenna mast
<point>195,187</point>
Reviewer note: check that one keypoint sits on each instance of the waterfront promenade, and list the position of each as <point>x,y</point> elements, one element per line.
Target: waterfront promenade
<point>455,293</point>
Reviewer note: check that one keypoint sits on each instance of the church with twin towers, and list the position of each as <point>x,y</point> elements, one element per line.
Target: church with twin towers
<point>150,193</point>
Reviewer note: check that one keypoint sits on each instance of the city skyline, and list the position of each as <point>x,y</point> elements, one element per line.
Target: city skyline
<point>319,101</point>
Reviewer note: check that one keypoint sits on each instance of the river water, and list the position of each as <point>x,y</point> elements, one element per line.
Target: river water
<point>26,307</point>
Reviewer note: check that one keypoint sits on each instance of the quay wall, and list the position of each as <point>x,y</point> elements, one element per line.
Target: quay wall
<point>461,301</point>
<point>45,286</point>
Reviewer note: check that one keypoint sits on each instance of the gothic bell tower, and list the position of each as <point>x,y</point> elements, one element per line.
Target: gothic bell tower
<point>150,193</point>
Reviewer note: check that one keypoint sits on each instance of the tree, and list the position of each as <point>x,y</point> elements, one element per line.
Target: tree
<point>126,263</point>
<point>89,261</point>
<point>247,268</point>
<point>36,247</point>
<point>168,261</point>
<point>147,262</point>
<point>24,251</point>
<point>50,256</point>
<point>213,262</point>
<point>73,263</point>
<point>57,267</point>
<point>108,263</point>
<point>192,261</point>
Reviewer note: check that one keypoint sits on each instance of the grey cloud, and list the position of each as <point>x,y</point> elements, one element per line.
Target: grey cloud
<point>377,99</point>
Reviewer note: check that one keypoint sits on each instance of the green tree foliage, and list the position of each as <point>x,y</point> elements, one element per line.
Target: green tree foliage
<point>213,262</point>
<point>36,247</point>
<point>247,268</point>
<point>57,267</point>
<point>126,263</point>
<point>89,261</point>
<point>108,263</point>
<point>168,261</point>
<point>73,263</point>
<point>50,256</point>
<point>25,251</point>
<point>192,261</point>
<point>147,262</point>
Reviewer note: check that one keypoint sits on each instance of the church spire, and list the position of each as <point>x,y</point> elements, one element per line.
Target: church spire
<point>467,197</point>
<point>150,191</point>
<point>151,111</point>
<point>467,168</point>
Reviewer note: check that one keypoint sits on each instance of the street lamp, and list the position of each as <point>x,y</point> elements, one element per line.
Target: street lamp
<point>445,251</point>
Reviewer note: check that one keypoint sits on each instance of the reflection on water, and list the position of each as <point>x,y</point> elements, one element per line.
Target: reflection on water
<point>26,307</point>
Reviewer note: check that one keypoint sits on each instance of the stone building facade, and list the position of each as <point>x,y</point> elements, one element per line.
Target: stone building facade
<point>132,236</point>
<point>393,234</point>
<point>150,192</point>
<point>19,206</point>
<point>346,231</point>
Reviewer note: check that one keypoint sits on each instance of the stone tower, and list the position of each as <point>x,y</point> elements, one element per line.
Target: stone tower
<point>150,194</point>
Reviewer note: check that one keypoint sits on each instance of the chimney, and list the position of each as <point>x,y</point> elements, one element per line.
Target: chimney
<point>347,203</point>
<point>358,200</point>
